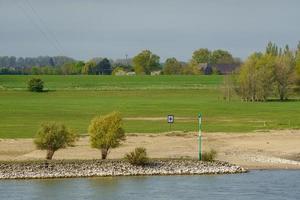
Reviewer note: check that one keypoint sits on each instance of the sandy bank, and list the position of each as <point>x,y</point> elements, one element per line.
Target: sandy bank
<point>263,150</point>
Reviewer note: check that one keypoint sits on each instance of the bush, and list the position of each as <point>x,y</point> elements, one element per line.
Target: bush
<point>106,132</point>
<point>54,136</point>
<point>209,156</point>
<point>35,85</point>
<point>137,157</point>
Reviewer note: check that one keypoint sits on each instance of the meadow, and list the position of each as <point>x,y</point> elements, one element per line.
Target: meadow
<point>94,82</point>
<point>144,101</point>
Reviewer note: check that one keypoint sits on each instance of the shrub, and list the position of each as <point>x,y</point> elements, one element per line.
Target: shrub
<point>35,85</point>
<point>54,136</point>
<point>137,157</point>
<point>209,156</point>
<point>106,132</point>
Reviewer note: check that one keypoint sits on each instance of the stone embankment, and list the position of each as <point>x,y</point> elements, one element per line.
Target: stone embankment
<point>97,168</point>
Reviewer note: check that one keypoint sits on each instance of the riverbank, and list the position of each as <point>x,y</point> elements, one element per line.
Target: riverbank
<point>100,168</point>
<point>256,150</point>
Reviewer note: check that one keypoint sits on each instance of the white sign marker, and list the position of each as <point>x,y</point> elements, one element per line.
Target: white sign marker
<point>170,119</point>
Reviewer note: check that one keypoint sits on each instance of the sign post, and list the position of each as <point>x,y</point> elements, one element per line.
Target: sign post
<point>170,120</point>
<point>200,136</point>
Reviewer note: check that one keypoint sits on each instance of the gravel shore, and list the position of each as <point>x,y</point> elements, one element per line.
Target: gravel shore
<point>94,168</point>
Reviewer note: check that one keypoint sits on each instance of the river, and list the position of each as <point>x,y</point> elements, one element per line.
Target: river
<point>265,184</point>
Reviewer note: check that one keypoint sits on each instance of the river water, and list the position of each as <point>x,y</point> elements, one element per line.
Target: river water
<point>268,184</point>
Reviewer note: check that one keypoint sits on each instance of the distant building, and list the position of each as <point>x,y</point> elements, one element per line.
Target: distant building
<point>154,73</point>
<point>130,74</point>
<point>219,68</point>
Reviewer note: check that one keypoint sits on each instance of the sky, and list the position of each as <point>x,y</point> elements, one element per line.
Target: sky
<point>84,29</point>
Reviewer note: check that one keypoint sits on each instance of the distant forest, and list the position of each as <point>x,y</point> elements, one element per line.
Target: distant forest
<point>203,61</point>
<point>13,62</point>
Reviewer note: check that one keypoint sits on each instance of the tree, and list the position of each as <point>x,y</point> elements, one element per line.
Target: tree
<point>119,71</point>
<point>265,76</point>
<point>272,49</point>
<point>145,62</point>
<point>201,56</point>
<point>89,68</point>
<point>77,69</point>
<point>256,77</point>
<point>221,57</point>
<point>35,85</point>
<point>35,70</point>
<point>106,132</point>
<point>71,68</point>
<point>191,69</point>
<point>247,78</point>
<point>284,69</point>
<point>52,137</point>
<point>298,60</point>
<point>104,67</point>
<point>172,66</point>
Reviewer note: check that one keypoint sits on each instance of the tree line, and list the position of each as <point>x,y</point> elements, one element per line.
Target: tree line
<point>144,63</point>
<point>272,73</point>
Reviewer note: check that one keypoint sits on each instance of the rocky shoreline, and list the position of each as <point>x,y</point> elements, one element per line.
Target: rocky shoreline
<point>98,168</point>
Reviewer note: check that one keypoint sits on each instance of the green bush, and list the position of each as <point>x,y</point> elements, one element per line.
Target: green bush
<point>209,156</point>
<point>106,132</point>
<point>137,157</point>
<point>35,85</point>
<point>54,136</point>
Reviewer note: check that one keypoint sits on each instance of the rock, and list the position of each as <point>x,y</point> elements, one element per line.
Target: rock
<point>89,168</point>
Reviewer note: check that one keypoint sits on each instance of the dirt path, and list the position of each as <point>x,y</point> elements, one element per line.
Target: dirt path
<point>276,149</point>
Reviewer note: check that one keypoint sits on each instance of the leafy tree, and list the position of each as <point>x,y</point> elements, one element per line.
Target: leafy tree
<point>145,62</point>
<point>52,137</point>
<point>172,66</point>
<point>119,71</point>
<point>298,60</point>
<point>270,73</point>
<point>265,76</point>
<point>247,78</point>
<point>78,66</point>
<point>272,49</point>
<point>71,68</point>
<point>35,85</point>
<point>35,70</point>
<point>89,68</point>
<point>221,57</point>
<point>191,69</point>
<point>218,56</point>
<point>104,67</point>
<point>201,56</point>
<point>284,69</point>
<point>106,132</point>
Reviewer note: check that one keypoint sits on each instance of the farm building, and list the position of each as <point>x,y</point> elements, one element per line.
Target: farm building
<point>219,68</point>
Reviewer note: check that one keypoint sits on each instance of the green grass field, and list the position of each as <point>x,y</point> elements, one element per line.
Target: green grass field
<point>74,100</point>
<point>81,82</point>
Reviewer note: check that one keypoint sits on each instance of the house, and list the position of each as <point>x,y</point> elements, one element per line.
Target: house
<point>219,68</point>
<point>130,74</point>
<point>154,73</point>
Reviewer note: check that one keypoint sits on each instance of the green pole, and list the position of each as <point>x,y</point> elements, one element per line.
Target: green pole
<point>199,137</point>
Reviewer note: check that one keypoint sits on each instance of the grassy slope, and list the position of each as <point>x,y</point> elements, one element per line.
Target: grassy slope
<point>21,112</point>
<point>90,82</point>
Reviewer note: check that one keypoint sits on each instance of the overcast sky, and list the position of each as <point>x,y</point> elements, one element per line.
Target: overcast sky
<point>170,28</point>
